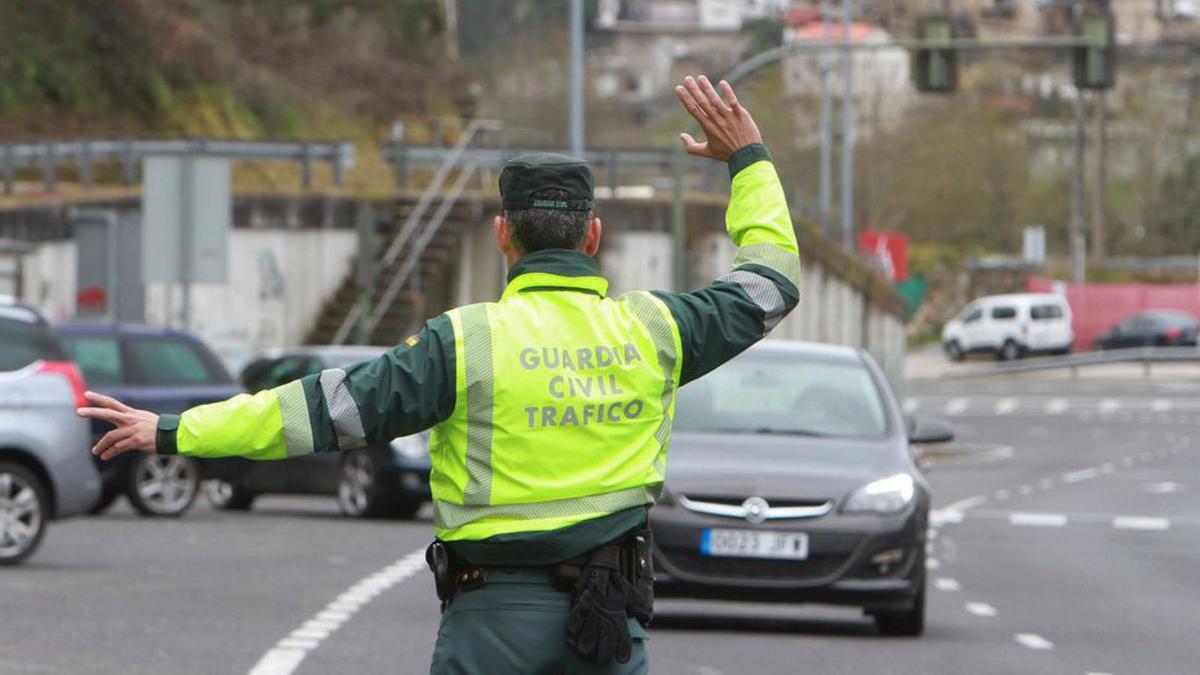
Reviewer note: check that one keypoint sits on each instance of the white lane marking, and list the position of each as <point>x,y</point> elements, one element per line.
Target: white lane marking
<point>1056,405</point>
<point>1046,483</point>
<point>1025,489</point>
<point>1001,495</point>
<point>1108,406</point>
<point>289,652</point>
<point>1080,475</point>
<point>1161,405</point>
<point>956,406</point>
<point>911,404</point>
<point>953,513</point>
<point>981,609</point>
<point>929,547</point>
<point>1027,519</point>
<point>1094,672</point>
<point>1141,523</point>
<point>1163,488</point>
<point>932,563</point>
<point>1033,641</point>
<point>1107,467</point>
<point>946,584</point>
<point>1005,406</point>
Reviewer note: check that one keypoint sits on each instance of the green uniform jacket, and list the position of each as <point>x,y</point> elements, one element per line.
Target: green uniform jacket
<point>412,387</point>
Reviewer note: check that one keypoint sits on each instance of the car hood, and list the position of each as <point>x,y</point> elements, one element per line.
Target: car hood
<point>776,465</point>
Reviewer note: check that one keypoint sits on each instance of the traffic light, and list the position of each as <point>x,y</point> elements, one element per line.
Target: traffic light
<point>1095,66</point>
<point>935,69</point>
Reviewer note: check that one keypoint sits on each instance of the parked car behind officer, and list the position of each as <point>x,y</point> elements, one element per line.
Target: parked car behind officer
<point>386,481</point>
<point>164,370</point>
<point>46,472</point>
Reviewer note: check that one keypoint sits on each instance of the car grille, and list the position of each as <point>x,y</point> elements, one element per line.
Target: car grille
<point>816,567</point>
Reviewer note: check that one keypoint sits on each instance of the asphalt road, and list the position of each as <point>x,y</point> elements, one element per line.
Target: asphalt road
<point>1067,538</point>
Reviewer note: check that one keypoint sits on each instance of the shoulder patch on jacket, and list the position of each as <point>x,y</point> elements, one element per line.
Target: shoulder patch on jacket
<point>412,340</point>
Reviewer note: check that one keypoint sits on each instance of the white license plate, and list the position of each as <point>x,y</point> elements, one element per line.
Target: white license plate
<point>754,544</point>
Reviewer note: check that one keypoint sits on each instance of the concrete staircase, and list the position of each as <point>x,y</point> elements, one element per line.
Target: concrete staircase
<point>428,290</point>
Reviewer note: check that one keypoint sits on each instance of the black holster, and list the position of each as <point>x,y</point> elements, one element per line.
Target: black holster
<point>608,585</point>
<point>450,574</point>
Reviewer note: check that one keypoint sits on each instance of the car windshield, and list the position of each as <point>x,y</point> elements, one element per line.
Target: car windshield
<point>23,342</point>
<point>173,361</point>
<point>783,394</point>
<point>98,356</point>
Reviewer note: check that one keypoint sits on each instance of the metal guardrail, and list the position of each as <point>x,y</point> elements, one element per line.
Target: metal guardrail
<point>87,153</point>
<point>403,158</point>
<point>1147,356</point>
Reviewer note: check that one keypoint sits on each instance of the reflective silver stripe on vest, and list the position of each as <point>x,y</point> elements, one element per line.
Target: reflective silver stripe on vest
<point>297,430</point>
<point>343,410</point>
<point>763,292</point>
<point>647,309</point>
<point>771,256</point>
<point>447,516</point>
<point>477,354</point>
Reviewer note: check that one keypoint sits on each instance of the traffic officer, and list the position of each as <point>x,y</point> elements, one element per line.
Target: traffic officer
<point>551,410</point>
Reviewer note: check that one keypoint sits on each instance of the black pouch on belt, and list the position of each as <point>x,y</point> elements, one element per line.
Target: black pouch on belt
<point>615,582</point>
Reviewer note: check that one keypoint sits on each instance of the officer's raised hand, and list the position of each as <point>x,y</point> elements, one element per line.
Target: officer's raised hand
<point>136,429</point>
<point>726,124</point>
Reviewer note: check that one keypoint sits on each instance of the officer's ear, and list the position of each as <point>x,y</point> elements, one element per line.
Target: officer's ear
<point>591,240</point>
<point>504,241</point>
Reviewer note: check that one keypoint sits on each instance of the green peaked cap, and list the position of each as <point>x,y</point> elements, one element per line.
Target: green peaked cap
<point>524,178</point>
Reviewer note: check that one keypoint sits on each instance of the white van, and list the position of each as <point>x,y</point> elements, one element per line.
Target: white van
<point>1010,326</point>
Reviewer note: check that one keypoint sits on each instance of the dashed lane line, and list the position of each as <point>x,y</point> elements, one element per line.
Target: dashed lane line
<point>1005,406</point>
<point>1161,405</point>
<point>981,609</point>
<point>1080,475</point>
<point>1023,518</point>
<point>946,584</point>
<point>1141,523</point>
<point>956,406</point>
<point>1056,406</point>
<point>1033,641</point>
<point>290,652</point>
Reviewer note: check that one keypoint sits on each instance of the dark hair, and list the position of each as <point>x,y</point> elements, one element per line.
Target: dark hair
<point>539,229</point>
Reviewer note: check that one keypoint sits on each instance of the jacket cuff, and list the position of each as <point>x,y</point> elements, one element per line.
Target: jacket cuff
<point>746,156</point>
<point>164,440</point>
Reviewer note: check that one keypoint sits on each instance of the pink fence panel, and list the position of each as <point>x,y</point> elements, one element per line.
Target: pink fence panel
<point>1097,307</point>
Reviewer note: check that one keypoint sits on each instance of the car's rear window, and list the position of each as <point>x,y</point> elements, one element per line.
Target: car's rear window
<point>172,361</point>
<point>22,342</point>
<point>1045,312</point>
<point>767,394</point>
<point>98,356</point>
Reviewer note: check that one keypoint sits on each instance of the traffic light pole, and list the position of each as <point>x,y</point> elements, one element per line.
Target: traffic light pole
<point>1078,243</point>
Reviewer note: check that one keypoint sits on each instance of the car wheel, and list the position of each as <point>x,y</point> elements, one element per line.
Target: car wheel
<point>162,485</point>
<point>107,497</point>
<point>24,510</point>
<point>1011,351</point>
<point>228,497</point>
<point>954,351</point>
<point>359,495</point>
<point>909,623</point>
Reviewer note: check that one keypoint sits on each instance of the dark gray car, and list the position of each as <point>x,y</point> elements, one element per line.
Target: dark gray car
<point>46,471</point>
<point>793,479</point>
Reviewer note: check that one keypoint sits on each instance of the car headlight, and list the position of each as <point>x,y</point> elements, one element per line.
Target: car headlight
<point>886,495</point>
<point>411,447</point>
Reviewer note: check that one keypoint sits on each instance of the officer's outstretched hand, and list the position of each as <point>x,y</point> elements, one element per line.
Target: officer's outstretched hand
<point>136,429</point>
<point>727,126</point>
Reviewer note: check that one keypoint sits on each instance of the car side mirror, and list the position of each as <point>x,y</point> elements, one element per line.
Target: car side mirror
<point>924,431</point>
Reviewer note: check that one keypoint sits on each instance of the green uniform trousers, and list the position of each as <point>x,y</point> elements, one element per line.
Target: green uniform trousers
<point>516,624</point>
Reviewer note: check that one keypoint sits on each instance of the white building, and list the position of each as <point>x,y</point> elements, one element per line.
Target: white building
<point>655,42</point>
<point>881,74</point>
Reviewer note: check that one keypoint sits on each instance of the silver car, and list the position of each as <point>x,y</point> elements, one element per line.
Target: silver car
<point>46,471</point>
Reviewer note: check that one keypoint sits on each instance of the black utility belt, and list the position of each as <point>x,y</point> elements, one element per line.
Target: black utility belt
<point>608,585</point>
